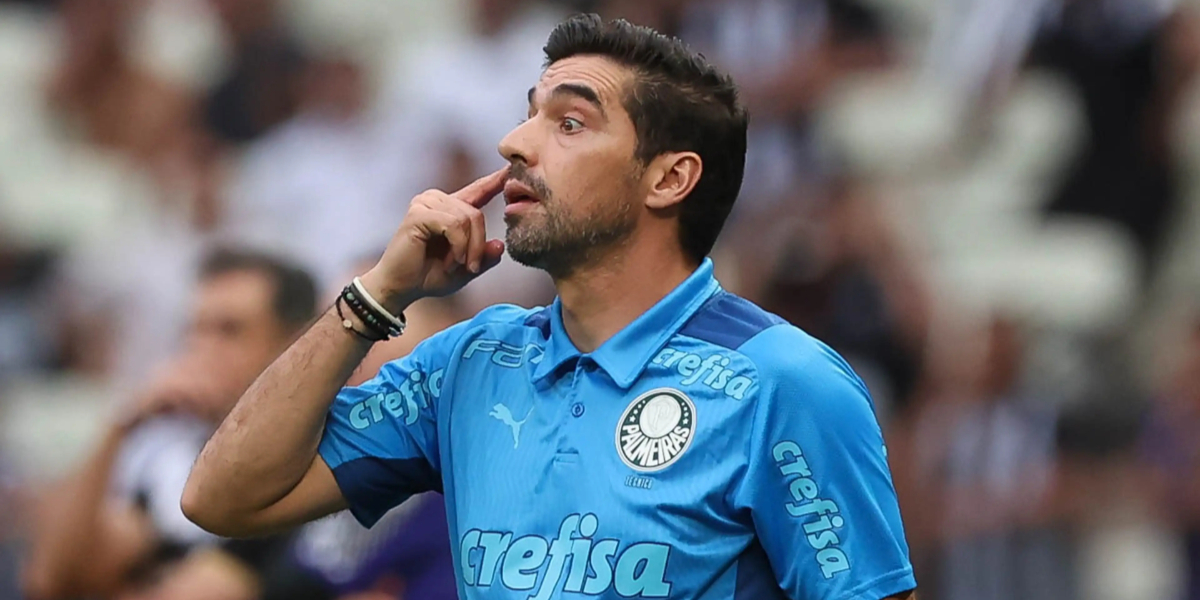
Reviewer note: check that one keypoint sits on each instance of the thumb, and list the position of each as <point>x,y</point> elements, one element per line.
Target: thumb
<point>492,253</point>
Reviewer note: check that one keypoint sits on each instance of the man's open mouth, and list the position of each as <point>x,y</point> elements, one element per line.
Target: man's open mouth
<point>516,192</point>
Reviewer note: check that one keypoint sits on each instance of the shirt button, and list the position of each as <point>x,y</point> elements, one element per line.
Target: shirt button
<point>577,409</point>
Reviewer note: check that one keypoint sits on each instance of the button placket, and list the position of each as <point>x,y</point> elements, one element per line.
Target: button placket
<point>567,453</point>
<point>576,405</point>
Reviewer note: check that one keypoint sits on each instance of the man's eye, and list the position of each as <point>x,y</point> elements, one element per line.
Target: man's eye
<point>570,125</point>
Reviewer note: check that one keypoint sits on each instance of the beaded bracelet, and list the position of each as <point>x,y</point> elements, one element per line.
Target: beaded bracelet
<point>348,325</point>
<point>378,321</point>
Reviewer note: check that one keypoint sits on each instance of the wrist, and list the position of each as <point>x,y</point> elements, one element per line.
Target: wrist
<point>395,299</point>
<point>354,325</point>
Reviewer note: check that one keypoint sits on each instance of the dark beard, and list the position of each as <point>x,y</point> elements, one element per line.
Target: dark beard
<point>550,240</point>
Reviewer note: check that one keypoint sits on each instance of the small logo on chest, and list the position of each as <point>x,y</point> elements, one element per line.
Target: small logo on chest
<point>656,429</point>
<point>501,413</point>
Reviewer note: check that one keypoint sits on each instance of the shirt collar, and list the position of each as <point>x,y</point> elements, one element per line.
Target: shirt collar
<point>626,354</point>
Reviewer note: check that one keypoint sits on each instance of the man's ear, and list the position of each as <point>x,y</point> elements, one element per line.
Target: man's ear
<point>671,177</point>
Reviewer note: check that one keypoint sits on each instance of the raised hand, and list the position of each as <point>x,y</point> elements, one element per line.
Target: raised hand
<point>185,385</point>
<point>440,247</point>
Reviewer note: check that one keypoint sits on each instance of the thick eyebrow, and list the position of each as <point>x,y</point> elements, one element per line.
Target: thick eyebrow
<point>578,90</point>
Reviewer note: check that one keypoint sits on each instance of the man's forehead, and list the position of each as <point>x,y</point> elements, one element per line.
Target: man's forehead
<point>603,75</point>
<point>242,285</point>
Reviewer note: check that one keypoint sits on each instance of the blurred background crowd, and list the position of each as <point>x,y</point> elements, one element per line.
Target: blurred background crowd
<point>990,207</point>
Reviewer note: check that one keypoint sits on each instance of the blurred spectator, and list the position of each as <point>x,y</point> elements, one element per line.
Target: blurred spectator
<point>406,556</point>
<point>1171,447</point>
<point>457,102</point>
<point>321,188</point>
<point>119,291</point>
<point>260,90</point>
<point>116,105</point>
<point>117,524</point>
<point>1132,61</point>
<point>784,55</point>
<point>985,453</point>
<point>122,300</point>
<point>839,272</point>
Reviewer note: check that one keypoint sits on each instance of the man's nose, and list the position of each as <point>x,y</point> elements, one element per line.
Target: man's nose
<point>518,145</point>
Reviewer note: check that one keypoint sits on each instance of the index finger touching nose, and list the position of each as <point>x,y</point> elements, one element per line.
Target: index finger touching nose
<point>482,190</point>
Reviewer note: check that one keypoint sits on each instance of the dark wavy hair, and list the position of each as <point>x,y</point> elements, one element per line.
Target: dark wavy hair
<point>679,102</point>
<point>294,293</point>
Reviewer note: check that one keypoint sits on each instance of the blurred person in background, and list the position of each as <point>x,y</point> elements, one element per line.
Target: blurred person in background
<point>786,54</point>
<point>844,275</point>
<point>118,291</point>
<point>121,301</point>
<point>116,105</point>
<point>984,452</point>
<point>321,187</point>
<point>406,556</point>
<point>116,525</point>
<point>261,88</point>
<point>1171,450</point>
<point>1131,62</point>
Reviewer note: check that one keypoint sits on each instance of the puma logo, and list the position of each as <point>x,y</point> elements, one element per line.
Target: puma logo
<point>505,416</point>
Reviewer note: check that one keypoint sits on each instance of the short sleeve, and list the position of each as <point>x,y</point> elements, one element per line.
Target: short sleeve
<point>380,438</point>
<point>817,485</point>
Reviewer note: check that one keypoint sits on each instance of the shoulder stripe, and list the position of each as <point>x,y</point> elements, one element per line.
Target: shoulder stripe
<point>728,321</point>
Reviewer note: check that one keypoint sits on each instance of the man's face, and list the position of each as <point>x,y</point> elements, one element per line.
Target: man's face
<point>574,187</point>
<point>234,334</point>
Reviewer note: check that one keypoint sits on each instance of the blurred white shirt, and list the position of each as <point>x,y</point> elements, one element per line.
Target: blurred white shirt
<point>320,191</point>
<point>153,466</point>
<point>137,283</point>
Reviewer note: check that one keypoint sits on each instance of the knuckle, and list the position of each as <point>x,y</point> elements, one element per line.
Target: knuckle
<point>418,214</point>
<point>426,198</point>
<point>418,206</point>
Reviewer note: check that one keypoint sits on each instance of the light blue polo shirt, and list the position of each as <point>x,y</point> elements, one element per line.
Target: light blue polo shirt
<point>707,451</point>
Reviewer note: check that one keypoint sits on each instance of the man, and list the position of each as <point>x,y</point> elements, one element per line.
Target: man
<point>335,557</point>
<point>115,524</point>
<point>646,435</point>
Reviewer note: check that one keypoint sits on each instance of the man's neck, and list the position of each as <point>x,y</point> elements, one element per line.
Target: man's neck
<point>599,301</point>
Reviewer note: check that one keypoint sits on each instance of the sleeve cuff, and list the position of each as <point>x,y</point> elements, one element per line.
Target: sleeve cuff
<point>896,582</point>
